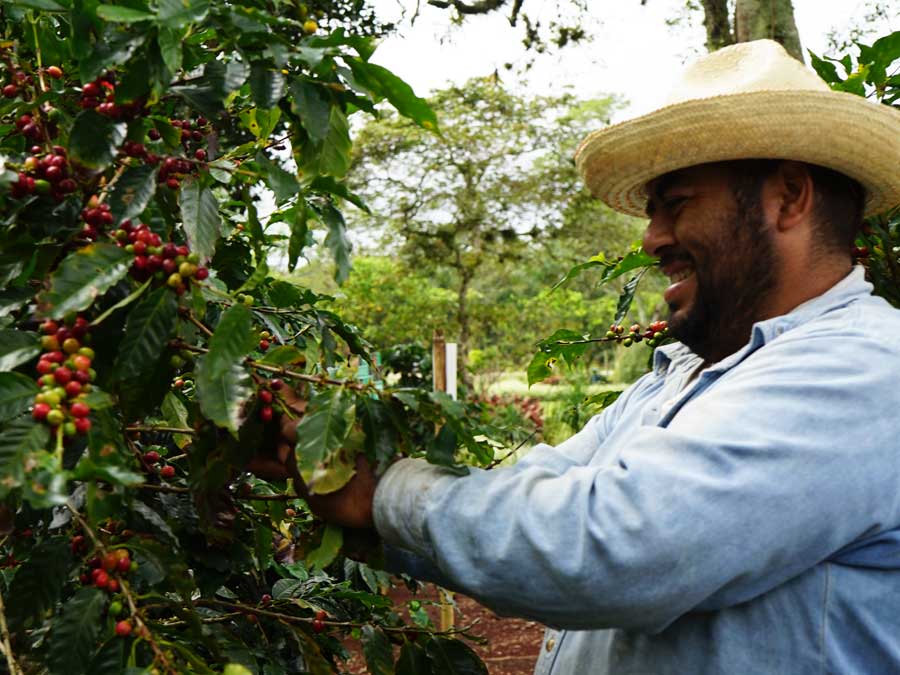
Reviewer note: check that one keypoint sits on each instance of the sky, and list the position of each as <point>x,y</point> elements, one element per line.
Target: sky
<point>635,53</point>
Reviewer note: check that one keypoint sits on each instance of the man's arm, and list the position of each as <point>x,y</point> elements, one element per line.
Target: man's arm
<point>756,480</point>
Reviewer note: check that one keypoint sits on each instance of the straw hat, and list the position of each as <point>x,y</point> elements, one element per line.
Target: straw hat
<point>748,101</point>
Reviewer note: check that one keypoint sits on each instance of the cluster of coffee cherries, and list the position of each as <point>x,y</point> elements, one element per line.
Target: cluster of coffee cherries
<point>100,96</point>
<point>860,252</point>
<point>265,340</point>
<point>64,375</point>
<point>174,169</point>
<point>43,173</point>
<point>97,217</point>
<point>153,458</point>
<point>653,334</point>
<point>167,261</point>
<point>19,81</point>
<point>266,396</point>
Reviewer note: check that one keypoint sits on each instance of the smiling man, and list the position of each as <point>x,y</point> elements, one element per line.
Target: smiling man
<point>737,510</point>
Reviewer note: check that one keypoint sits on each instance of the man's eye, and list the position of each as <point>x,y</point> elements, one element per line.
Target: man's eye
<point>672,203</point>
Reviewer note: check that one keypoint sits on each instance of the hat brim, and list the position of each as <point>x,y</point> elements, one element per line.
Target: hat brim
<point>836,130</point>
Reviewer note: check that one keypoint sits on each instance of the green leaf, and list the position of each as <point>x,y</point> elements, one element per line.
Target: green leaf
<point>118,14</point>
<point>309,105</point>
<point>284,355</point>
<point>324,428</point>
<point>825,69</point>
<point>611,269</point>
<point>13,299</point>
<point>413,660</point>
<point>200,215</point>
<point>563,343</point>
<point>324,555</point>
<point>175,414</point>
<point>452,657</point>
<point>337,242</point>
<point>170,45</point>
<point>109,658</point>
<point>331,186</point>
<point>382,83</point>
<point>627,296</point>
<point>83,277</point>
<point>75,631</point>
<point>335,158</point>
<point>98,399</point>
<point>602,400</point>
<point>124,302</point>
<point>95,139</point>
<point>149,327</point>
<point>282,183</point>
<point>259,275</point>
<point>21,437</point>
<point>266,85</point>
<point>16,348</point>
<point>223,384</point>
<point>132,192</point>
<point>17,394</point>
<point>378,651</point>
<point>178,13</point>
<point>39,581</point>
<point>300,234</point>
<point>48,5</point>
<point>235,669</point>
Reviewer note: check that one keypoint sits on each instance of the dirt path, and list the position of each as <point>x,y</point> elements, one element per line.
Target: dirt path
<point>513,644</point>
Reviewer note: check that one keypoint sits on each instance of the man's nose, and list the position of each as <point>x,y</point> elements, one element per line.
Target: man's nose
<point>658,234</point>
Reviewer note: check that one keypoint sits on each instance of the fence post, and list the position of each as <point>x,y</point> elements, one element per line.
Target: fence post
<point>439,383</point>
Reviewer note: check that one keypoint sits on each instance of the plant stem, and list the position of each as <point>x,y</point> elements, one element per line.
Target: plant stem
<point>7,645</point>
<point>511,452</point>
<point>279,370</point>
<point>153,427</point>
<point>289,618</point>
<point>142,630</point>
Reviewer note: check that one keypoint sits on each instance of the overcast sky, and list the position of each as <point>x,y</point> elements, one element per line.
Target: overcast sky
<point>634,53</point>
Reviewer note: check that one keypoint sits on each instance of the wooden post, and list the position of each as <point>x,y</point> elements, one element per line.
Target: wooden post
<point>439,380</point>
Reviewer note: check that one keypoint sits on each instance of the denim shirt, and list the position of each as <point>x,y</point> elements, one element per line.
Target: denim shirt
<point>743,521</point>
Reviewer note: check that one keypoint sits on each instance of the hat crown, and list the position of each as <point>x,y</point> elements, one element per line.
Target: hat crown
<point>761,65</point>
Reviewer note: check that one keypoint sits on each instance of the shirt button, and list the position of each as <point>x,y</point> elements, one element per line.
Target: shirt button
<point>551,643</point>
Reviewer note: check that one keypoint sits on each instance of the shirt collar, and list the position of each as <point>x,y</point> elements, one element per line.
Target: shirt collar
<point>851,287</point>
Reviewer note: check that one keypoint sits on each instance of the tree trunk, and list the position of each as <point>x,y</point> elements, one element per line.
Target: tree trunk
<point>462,316</point>
<point>718,29</point>
<point>773,19</point>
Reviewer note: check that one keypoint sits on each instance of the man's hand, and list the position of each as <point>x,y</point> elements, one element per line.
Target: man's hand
<point>351,506</point>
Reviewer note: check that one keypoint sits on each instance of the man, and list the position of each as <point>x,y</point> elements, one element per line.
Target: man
<point>737,510</point>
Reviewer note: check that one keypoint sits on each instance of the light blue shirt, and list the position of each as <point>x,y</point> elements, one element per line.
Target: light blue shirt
<point>744,521</point>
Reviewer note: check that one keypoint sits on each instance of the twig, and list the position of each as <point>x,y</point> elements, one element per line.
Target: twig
<point>279,370</point>
<point>162,488</point>
<point>289,618</point>
<point>512,452</point>
<point>199,324</point>
<point>7,644</point>
<point>153,427</point>
<point>142,630</point>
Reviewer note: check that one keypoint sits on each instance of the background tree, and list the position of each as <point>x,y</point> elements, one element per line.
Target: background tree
<point>495,183</point>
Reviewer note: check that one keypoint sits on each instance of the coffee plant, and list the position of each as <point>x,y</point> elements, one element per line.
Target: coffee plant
<point>157,161</point>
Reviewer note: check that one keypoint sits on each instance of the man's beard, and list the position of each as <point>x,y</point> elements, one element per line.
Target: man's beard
<point>733,282</point>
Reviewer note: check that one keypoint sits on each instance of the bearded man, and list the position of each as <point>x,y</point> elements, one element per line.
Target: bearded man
<point>737,510</point>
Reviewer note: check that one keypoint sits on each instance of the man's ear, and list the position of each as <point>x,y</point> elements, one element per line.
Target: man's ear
<point>790,194</point>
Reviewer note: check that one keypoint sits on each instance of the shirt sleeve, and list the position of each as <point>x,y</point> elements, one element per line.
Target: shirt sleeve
<point>765,474</point>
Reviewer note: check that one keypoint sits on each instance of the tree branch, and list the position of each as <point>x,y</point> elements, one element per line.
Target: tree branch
<point>482,7</point>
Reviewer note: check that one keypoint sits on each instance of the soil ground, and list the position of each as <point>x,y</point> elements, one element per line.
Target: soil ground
<point>512,645</point>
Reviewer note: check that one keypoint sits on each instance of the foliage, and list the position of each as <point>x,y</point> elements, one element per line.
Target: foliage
<point>136,288</point>
<point>484,193</point>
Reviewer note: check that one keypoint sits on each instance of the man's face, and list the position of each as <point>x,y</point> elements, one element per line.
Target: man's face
<point>715,247</point>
